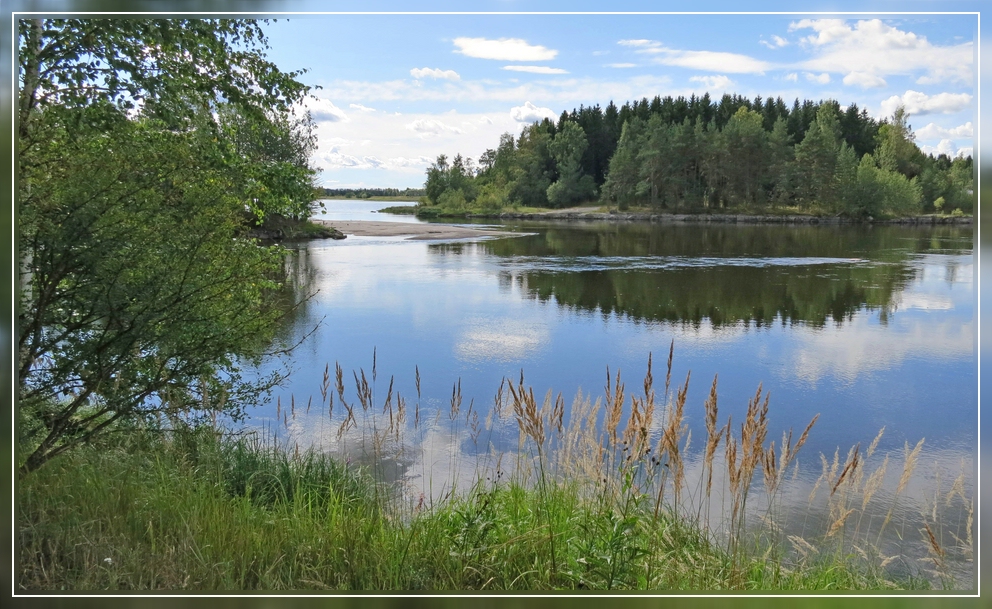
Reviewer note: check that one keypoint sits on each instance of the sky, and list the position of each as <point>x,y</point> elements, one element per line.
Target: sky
<point>396,91</point>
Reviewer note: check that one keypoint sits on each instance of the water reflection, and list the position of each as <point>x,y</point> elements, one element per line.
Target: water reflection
<point>501,339</point>
<point>869,327</point>
<point>721,275</point>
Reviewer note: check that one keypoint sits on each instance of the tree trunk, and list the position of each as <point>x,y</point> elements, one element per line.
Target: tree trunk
<point>29,92</point>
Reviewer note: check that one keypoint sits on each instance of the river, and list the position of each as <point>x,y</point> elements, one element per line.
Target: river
<point>869,327</point>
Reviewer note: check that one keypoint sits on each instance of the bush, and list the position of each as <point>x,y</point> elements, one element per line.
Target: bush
<point>452,201</point>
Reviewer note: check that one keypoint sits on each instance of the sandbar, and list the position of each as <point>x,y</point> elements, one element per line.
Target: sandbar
<point>412,230</point>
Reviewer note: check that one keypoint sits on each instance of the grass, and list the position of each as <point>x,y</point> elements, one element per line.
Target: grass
<point>193,511</point>
<point>586,503</point>
<point>406,210</point>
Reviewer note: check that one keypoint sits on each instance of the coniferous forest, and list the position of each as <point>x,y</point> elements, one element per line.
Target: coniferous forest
<point>686,155</point>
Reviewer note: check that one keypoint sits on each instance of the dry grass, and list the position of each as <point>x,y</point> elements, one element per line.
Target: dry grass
<point>633,469</point>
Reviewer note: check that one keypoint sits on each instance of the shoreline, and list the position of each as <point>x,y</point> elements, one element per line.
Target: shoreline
<point>412,231</point>
<point>440,231</point>
<point>670,218</point>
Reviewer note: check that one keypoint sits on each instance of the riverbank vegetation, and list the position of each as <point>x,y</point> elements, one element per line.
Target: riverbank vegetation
<point>606,498</point>
<point>378,194</point>
<point>403,210</point>
<point>140,172</point>
<point>694,155</point>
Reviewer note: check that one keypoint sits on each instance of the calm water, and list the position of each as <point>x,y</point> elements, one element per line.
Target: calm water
<point>869,327</point>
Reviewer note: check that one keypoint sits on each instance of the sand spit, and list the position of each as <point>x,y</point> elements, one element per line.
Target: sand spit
<point>413,231</point>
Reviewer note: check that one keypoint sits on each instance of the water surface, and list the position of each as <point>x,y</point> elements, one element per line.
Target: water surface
<point>870,327</point>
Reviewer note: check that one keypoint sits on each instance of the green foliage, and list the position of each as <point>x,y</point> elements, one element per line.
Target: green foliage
<point>492,197</point>
<point>694,154</point>
<point>623,175</point>
<point>534,170</point>
<point>961,188</point>
<point>168,68</point>
<point>744,148</point>
<point>896,150</point>
<point>407,194</point>
<point>438,179</point>
<point>816,157</point>
<point>399,210</point>
<point>141,145</point>
<point>137,297</point>
<point>270,156</point>
<point>879,190</point>
<point>444,178</point>
<point>518,172</point>
<point>572,185</point>
<point>452,201</point>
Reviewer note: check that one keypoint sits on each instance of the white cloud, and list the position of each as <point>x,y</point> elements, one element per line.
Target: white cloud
<point>918,104</point>
<point>710,61</point>
<point>718,82</point>
<point>337,142</point>
<point>852,350</point>
<point>402,162</point>
<point>776,43</point>
<point>558,92</point>
<point>361,108</point>
<point>504,49</point>
<point>793,77</point>
<point>933,132</point>
<point>338,160</point>
<point>621,65</point>
<point>873,47</point>
<point>430,127</point>
<point>864,80</point>
<point>948,147</point>
<point>713,61</point>
<point>528,113</point>
<point>641,43</point>
<point>501,340</point>
<point>386,147</point>
<point>434,73</point>
<point>536,69</point>
<point>823,78</point>
<point>324,110</point>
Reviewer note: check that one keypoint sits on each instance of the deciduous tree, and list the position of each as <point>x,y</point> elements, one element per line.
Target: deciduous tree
<point>138,142</point>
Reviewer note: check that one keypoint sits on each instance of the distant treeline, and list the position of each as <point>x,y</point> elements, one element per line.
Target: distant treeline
<point>696,154</point>
<point>372,193</point>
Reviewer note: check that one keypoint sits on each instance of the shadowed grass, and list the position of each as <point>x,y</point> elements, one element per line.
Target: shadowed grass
<point>193,509</point>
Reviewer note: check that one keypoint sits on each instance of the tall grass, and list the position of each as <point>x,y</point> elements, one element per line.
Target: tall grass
<point>601,499</point>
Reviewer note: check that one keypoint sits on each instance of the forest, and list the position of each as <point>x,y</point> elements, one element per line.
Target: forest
<point>695,155</point>
<point>370,193</point>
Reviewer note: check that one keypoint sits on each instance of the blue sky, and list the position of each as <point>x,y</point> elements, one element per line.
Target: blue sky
<point>398,90</point>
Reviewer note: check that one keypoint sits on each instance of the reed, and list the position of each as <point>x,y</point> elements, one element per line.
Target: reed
<point>587,504</point>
